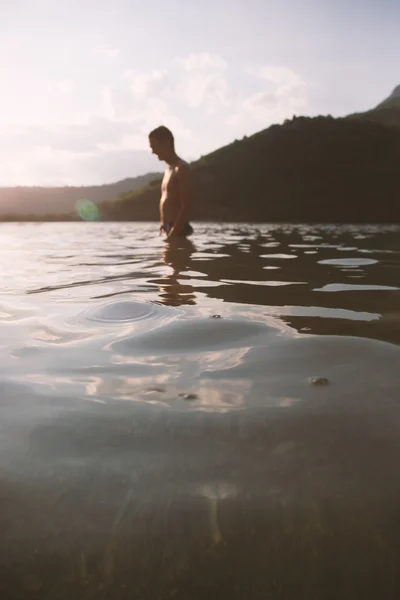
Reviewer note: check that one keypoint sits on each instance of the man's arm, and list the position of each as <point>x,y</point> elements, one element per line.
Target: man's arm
<point>161,216</point>
<point>184,182</point>
<point>160,206</point>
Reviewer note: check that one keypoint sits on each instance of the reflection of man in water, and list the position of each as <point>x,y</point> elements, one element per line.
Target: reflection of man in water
<point>172,291</point>
<point>176,187</point>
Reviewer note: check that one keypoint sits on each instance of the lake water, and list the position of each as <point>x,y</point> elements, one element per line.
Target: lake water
<point>218,418</point>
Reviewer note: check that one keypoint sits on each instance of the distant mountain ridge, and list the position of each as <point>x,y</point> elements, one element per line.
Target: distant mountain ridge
<point>393,101</point>
<point>319,169</point>
<point>55,200</point>
<point>386,112</point>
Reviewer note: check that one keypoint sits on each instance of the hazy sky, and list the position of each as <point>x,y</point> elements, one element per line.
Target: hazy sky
<point>83,81</point>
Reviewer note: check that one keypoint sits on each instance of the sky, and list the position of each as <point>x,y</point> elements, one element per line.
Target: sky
<point>84,81</point>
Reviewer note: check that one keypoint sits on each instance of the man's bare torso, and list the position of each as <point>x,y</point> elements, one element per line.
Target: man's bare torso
<point>170,202</point>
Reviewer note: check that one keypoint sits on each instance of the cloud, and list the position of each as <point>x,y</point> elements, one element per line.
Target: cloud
<point>114,165</point>
<point>195,83</point>
<point>206,90</point>
<point>202,82</point>
<point>143,112</point>
<point>281,76</point>
<point>284,93</point>
<point>110,52</point>
<point>127,142</point>
<point>68,167</point>
<point>101,133</point>
<point>107,105</point>
<point>98,151</point>
<point>203,61</point>
<point>140,83</point>
<point>65,85</point>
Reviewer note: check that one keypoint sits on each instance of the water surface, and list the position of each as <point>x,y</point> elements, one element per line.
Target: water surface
<point>218,417</point>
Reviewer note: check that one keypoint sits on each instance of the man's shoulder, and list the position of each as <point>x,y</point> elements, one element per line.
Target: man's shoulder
<point>183,172</point>
<point>182,166</point>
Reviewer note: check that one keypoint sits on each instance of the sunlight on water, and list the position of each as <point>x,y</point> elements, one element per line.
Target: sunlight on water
<point>161,424</point>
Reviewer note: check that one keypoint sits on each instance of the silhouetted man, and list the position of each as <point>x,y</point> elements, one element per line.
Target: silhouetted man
<point>176,186</point>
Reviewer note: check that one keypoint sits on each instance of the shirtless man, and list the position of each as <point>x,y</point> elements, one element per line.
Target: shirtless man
<point>176,187</point>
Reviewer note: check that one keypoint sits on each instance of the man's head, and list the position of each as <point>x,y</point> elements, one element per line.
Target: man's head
<point>162,142</point>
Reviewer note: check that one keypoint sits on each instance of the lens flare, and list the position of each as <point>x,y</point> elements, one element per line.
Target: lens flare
<point>87,210</point>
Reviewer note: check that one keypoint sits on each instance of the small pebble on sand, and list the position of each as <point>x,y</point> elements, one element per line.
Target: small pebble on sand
<point>188,396</point>
<point>318,381</point>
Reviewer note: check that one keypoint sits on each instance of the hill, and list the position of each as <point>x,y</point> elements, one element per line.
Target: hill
<point>41,201</point>
<point>386,112</point>
<point>317,169</point>
<point>308,169</point>
<point>393,101</point>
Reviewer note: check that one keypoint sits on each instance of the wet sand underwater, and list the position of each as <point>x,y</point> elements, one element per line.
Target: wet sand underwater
<point>216,419</point>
